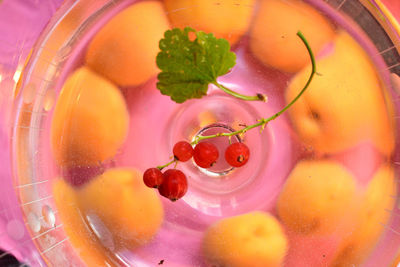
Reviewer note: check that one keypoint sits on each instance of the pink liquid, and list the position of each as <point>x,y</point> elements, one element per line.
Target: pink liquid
<point>156,123</point>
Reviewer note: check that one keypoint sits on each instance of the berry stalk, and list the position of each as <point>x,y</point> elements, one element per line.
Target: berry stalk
<point>263,122</point>
<point>167,164</point>
<point>257,97</point>
<point>173,184</point>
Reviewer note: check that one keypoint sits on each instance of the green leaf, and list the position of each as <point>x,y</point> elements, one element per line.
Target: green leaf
<point>187,67</point>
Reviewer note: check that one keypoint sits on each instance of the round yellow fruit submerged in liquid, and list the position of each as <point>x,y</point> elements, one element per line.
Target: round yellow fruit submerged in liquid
<point>124,50</point>
<point>273,38</point>
<point>371,217</point>
<point>254,239</point>
<point>131,211</point>
<point>90,120</point>
<point>228,19</point>
<point>316,197</point>
<point>344,103</point>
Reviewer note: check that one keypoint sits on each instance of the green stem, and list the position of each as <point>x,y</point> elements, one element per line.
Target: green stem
<point>257,97</point>
<point>264,121</point>
<point>166,165</point>
<point>242,131</point>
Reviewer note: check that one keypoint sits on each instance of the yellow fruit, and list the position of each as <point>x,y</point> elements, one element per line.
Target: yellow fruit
<point>227,19</point>
<point>316,197</point>
<point>372,215</point>
<point>344,104</point>
<point>310,250</point>
<point>252,239</point>
<point>90,121</point>
<point>83,240</point>
<point>130,210</point>
<point>273,38</point>
<point>125,49</point>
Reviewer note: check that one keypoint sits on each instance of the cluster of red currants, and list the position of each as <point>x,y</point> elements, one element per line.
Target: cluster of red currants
<point>173,184</point>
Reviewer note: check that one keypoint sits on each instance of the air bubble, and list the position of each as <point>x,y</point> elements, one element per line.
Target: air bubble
<point>34,222</point>
<point>48,215</point>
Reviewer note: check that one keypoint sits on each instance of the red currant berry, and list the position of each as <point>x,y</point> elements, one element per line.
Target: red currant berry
<point>205,154</point>
<point>237,154</point>
<point>183,151</point>
<point>153,177</point>
<point>174,185</point>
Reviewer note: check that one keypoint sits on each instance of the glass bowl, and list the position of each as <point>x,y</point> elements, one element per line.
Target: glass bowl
<point>320,187</point>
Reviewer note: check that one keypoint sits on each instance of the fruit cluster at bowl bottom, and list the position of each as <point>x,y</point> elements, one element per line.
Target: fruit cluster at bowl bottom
<point>319,204</point>
<point>323,216</point>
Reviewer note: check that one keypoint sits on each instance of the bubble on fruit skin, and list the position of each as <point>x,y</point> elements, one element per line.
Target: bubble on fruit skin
<point>48,215</point>
<point>34,222</point>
